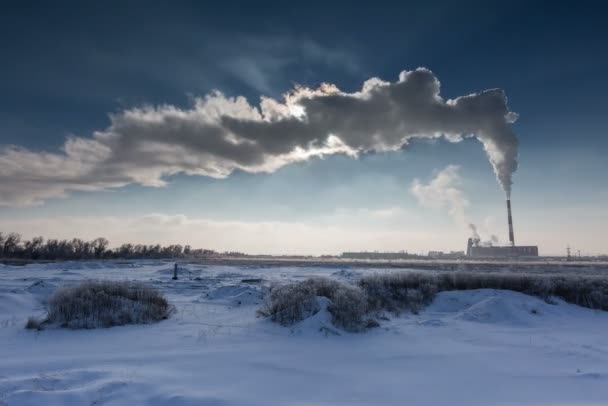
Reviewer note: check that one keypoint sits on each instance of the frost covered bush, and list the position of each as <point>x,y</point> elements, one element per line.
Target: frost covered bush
<point>589,292</point>
<point>288,304</point>
<point>586,291</point>
<point>396,292</point>
<point>95,304</point>
<point>412,290</point>
<point>348,307</point>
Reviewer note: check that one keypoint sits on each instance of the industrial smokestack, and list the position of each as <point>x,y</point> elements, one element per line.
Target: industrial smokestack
<point>511,237</point>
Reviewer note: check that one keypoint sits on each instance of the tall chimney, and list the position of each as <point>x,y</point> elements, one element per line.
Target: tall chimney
<point>511,237</point>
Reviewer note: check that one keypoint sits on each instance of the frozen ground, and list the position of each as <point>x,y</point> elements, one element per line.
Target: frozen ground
<point>481,347</point>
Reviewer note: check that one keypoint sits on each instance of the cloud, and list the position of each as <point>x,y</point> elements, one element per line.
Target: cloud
<point>444,192</point>
<point>218,135</point>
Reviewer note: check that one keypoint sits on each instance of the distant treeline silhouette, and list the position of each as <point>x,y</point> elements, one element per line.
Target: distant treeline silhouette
<point>12,246</point>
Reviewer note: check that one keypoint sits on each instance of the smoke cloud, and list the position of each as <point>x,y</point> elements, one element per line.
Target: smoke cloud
<point>220,134</point>
<point>474,232</point>
<point>444,192</point>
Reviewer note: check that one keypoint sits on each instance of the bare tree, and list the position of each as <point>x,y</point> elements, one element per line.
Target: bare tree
<point>11,244</point>
<point>99,247</point>
<point>78,246</point>
<point>125,251</point>
<point>34,248</point>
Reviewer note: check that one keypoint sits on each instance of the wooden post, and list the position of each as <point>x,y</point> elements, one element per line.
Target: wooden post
<point>175,272</point>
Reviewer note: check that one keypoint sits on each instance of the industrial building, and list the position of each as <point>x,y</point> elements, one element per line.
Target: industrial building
<point>508,251</point>
<point>446,255</point>
<point>377,255</point>
<point>475,249</point>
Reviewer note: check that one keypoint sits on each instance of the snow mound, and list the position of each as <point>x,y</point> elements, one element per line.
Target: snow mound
<point>495,310</point>
<point>319,321</point>
<point>490,306</point>
<point>16,303</point>
<point>236,295</point>
<point>41,290</point>
<point>432,323</point>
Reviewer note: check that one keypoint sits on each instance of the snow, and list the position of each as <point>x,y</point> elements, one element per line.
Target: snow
<point>236,295</point>
<point>492,307</point>
<point>482,347</point>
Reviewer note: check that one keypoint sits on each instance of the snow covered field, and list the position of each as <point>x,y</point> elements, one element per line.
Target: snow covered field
<point>482,347</point>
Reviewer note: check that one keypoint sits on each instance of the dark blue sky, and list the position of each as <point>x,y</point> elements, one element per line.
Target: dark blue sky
<point>67,65</point>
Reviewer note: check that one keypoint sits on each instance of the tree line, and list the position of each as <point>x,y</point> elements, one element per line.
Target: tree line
<point>12,246</point>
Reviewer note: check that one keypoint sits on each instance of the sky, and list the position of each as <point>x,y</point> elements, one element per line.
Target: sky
<point>168,122</point>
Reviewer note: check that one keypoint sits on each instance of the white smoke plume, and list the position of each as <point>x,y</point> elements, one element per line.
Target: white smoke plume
<point>444,192</point>
<point>220,134</point>
<point>474,232</point>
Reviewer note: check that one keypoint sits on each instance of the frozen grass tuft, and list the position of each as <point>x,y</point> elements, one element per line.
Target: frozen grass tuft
<point>412,290</point>
<point>94,304</point>
<point>291,303</point>
<point>396,292</point>
<point>353,305</point>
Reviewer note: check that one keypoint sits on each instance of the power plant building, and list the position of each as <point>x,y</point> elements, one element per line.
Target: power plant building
<point>474,249</point>
<point>508,251</point>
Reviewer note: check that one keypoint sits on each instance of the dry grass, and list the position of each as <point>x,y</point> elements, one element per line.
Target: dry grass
<point>352,305</point>
<point>396,292</point>
<point>412,290</point>
<point>288,304</point>
<point>94,304</point>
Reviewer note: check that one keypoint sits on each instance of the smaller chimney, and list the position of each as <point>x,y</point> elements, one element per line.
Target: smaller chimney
<point>511,237</point>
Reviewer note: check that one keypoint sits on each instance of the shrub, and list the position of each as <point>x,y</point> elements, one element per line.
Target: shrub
<point>412,290</point>
<point>288,304</point>
<point>348,307</point>
<point>396,292</point>
<point>95,304</point>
